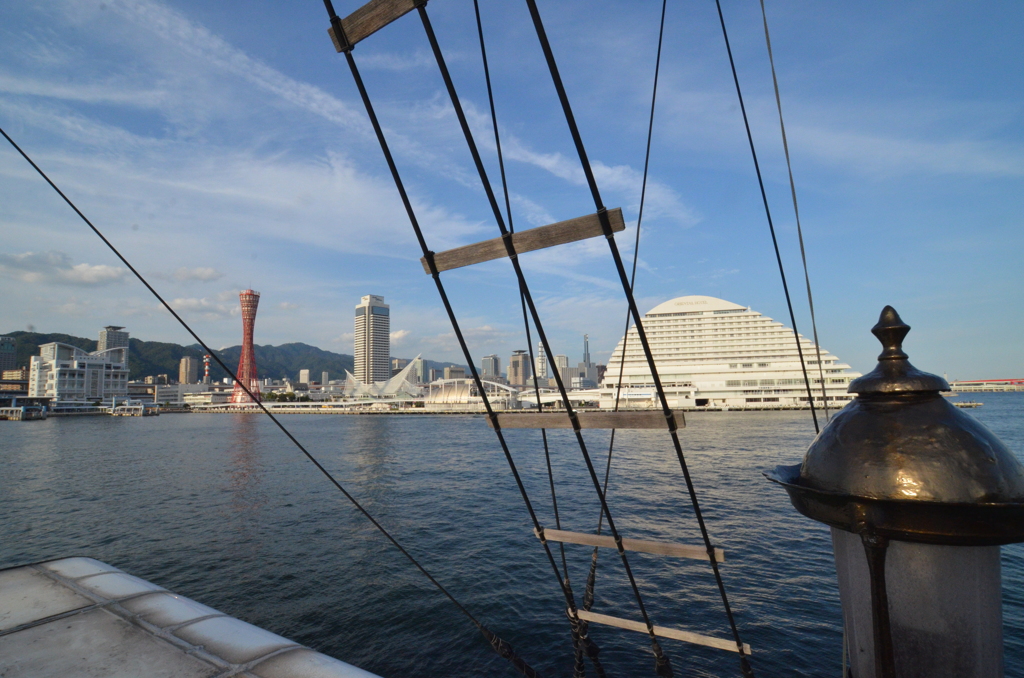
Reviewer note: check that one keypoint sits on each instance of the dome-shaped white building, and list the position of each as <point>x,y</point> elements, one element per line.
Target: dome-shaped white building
<point>712,352</point>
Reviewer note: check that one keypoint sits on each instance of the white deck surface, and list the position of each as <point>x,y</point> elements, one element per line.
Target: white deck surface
<point>81,617</point>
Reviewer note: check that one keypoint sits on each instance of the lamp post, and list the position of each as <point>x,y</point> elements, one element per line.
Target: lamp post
<point>919,496</point>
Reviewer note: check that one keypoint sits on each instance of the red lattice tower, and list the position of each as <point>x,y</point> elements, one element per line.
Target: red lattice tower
<point>247,361</point>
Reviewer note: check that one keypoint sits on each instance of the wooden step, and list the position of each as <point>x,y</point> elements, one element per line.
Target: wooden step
<point>663,632</point>
<point>621,419</point>
<point>370,18</point>
<point>640,545</point>
<point>531,239</point>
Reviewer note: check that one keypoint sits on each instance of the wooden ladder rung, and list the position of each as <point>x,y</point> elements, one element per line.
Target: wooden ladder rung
<point>644,419</point>
<point>370,18</point>
<point>529,240</point>
<point>663,632</point>
<point>641,545</point>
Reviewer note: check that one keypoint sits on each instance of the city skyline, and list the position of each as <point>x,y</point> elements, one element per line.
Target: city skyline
<point>217,162</point>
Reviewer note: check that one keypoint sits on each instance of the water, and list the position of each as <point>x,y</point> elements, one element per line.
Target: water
<point>222,509</point>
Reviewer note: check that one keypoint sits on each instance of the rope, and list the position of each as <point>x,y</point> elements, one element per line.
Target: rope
<point>669,415</point>
<point>581,639</point>
<point>327,474</point>
<point>796,210</point>
<point>435,274</point>
<point>510,250</point>
<point>588,595</point>
<point>768,214</point>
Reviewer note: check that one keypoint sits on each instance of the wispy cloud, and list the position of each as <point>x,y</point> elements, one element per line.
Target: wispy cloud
<point>56,267</point>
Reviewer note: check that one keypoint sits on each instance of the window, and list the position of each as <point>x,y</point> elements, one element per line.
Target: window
<point>750,382</point>
<point>767,382</point>
<point>748,364</point>
<point>762,364</point>
<point>733,382</point>
<point>753,400</point>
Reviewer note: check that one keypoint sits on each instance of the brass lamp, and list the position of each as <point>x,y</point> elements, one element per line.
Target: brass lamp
<point>931,494</point>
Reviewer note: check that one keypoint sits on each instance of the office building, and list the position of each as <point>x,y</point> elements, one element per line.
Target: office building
<point>188,370</point>
<point>490,367</point>
<point>519,372</point>
<point>418,373</point>
<point>373,340</point>
<point>8,353</point>
<point>304,376</point>
<point>323,378</point>
<point>587,371</point>
<point>435,374</point>
<point>66,373</point>
<point>712,352</point>
<point>452,372</point>
<point>541,361</point>
<point>111,336</point>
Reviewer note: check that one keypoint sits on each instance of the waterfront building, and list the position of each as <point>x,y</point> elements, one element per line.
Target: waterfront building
<point>541,361</point>
<point>303,376</point>
<point>188,370</point>
<point>712,352</point>
<point>174,394</point>
<point>111,336</point>
<point>373,340</point>
<point>982,385</point>
<point>66,373</point>
<point>453,372</point>
<point>400,386</point>
<point>519,372</point>
<point>8,354</point>
<point>490,367</point>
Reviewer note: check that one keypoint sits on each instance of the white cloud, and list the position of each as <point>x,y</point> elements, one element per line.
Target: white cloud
<point>398,336</point>
<point>215,309</point>
<point>55,267</point>
<point>287,306</point>
<point>202,274</point>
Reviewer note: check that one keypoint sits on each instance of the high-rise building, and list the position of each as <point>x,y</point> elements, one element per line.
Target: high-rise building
<point>8,354</point>
<point>303,376</point>
<point>246,373</point>
<point>188,370</point>
<point>490,366</point>
<point>519,371</point>
<point>373,340</point>
<point>398,364</point>
<point>111,336</point>
<point>324,378</point>
<point>587,369</point>
<point>453,372</point>
<point>419,371</point>
<point>541,361</point>
<point>435,374</point>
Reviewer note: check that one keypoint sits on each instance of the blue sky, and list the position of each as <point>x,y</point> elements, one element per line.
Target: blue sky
<point>222,146</point>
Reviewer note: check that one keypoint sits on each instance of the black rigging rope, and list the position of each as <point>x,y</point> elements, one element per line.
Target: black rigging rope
<point>500,646</point>
<point>669,415</point>
<point>768,214</point>
<point>581,640</point>
<point>662,664</point>
<point>796,210</point>
<point>588,595</point>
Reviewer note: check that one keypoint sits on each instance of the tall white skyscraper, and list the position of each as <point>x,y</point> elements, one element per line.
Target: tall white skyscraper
<point>541,362</point>
<point>373,340</point>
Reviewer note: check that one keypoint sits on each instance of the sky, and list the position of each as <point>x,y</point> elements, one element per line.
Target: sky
<point>223,146</point>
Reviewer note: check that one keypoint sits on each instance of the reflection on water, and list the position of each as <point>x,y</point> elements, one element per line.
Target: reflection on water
<point>245,472</point>
<point>223,509</point>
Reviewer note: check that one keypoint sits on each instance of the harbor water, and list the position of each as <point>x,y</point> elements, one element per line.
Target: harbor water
<point>223,509</point>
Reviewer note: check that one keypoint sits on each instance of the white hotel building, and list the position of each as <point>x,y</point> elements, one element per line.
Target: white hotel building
<point>67,374</point>
<point>712,352</point>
